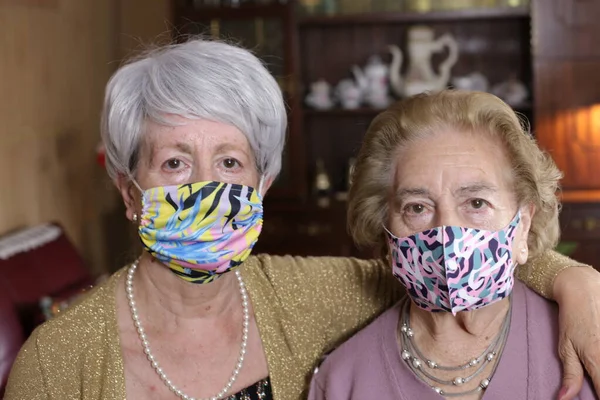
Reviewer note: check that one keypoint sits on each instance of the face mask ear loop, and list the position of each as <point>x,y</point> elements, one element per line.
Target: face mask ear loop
<point>136,184</point>
<point>388,232</point>
<point>260,185</point>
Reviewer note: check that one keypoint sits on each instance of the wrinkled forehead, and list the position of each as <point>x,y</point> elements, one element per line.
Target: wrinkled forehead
<point>193,136</point>
<point>453,160</point>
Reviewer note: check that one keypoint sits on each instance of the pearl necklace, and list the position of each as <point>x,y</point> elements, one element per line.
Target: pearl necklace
<point>155,364</point>
<point>411,354</point>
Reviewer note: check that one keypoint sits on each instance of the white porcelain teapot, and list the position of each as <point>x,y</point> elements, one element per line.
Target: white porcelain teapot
<point>349,94</point>
<point>319,96</point>
<point>373,81</point>
<point>420,76</point>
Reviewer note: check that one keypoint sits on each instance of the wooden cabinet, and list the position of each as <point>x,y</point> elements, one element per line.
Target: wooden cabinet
<point>492,41</point>
<point>580,225</point>
<point>551,46</point>
<point>567,87</point>
<point>567,112</point>
<point>307,230</point>
<point>269,31</point>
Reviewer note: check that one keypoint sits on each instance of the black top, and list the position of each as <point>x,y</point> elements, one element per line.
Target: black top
<point>260,390</point>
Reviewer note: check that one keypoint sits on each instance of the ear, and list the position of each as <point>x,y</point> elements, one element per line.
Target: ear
<point>267,182</point>
<point>522,249</point>
<point>131,196</point>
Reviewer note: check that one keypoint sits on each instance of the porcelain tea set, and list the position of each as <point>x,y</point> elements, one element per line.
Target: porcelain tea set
<point>371,85</point>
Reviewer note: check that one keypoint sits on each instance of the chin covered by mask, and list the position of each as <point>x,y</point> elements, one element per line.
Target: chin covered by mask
<point>201,230</point>
<point>452,268</point>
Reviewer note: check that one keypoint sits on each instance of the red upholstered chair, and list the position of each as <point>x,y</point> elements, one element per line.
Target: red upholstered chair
<point>11,338</point>
<point>36,264</point>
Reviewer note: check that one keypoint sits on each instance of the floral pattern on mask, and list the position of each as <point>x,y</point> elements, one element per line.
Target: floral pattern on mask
<point>201,230</point>
<point>451,268</point>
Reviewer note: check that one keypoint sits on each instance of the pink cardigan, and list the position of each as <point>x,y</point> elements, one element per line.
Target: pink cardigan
<point>368,366</point>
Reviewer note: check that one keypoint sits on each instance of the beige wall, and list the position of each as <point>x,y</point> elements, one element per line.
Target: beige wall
<point>143,22</point>
<point>54,63</point>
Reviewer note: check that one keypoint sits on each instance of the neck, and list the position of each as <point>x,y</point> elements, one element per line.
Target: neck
<point>158,289</point>
<point>478,326</point>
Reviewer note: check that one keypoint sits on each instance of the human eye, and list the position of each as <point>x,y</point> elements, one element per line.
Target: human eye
<point>478,204</point>
<point>414,209</point>
<point>230,164</point>
<point>417,216</point>
<point>173,165</point>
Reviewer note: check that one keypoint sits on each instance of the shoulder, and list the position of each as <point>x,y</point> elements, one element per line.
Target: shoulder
<point>312,304</point>
<point>54,356</point>
<point>542,332</point>
<point>310,274</point>
<point>277,266</point>
<point>362,353</point>
<point>361,368</point>
<point>539,309</point>
<point>540,315</point>
<point>83,323</point>
<point>318,284</point>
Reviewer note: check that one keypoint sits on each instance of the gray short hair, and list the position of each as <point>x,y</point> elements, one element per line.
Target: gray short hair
<point>196,79</point>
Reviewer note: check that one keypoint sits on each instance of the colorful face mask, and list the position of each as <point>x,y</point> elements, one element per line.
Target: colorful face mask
<point>451,268</point>
<point>201,230</point>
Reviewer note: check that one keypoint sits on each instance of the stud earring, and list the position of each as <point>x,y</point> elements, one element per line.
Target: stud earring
<point>523,250</point>
<point>135,217</point>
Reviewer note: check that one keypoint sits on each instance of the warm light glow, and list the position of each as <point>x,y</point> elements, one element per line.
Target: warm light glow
<point>573,138</point>
<point>584,124</point>
<point>595,123</point>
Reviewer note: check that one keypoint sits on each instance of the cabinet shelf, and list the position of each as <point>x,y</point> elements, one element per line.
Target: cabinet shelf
<point>524,108</point>
<point>372,112</point>
<point>249,11</point>
<point>416,17</point>
<point>340,112</point>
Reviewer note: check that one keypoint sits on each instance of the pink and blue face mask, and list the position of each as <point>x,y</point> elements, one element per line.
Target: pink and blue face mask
<point>452,268</point>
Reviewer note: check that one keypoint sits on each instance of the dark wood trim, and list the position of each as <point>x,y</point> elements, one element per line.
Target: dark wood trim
<point>296,137</point>
<point>50,4</point>
<point>340,112</point>
<point>415,17</point>
<point>249,11</point>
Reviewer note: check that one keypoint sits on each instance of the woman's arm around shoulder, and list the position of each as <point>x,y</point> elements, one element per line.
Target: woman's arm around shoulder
<point>344,293</point>
<point>577,293</point>
<point>541,273</point>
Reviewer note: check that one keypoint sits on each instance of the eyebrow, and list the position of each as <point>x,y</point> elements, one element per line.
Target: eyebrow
<point>402,193</point>
<point>183,147</point>
<point>228,146</point>
<point>475,188</point>
<point>470,189</point>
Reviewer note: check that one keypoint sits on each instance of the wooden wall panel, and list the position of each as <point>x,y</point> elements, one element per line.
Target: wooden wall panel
<point>55,61</point>
<point>54,64</point>
<point>143,23</point>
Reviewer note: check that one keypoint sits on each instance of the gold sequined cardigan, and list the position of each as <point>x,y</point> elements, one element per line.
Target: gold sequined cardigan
<point>304,307</point>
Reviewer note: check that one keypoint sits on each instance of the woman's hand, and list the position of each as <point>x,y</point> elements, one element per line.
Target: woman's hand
<point>577,292</point>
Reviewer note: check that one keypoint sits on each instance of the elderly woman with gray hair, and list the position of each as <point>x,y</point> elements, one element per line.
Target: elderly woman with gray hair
<point>194,134</point>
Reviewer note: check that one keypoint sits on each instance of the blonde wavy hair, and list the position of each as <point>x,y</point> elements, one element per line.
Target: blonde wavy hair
<point>536,177</point>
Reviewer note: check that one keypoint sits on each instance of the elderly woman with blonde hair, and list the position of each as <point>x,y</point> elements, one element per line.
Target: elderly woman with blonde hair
<point>194,134</point>
<point>459,195</point>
